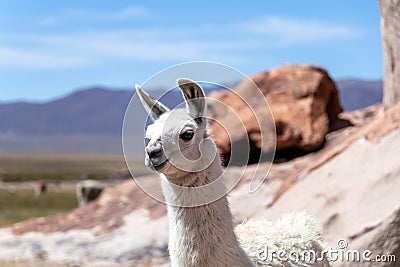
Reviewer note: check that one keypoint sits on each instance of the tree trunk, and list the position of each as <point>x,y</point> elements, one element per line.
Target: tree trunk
<point>390,27</point>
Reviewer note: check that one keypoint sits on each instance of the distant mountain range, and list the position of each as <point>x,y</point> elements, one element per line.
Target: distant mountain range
<point>90,121</point>
<point>355,94</point>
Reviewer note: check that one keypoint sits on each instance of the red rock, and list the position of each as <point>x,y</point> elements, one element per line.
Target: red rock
<point>303,100</point>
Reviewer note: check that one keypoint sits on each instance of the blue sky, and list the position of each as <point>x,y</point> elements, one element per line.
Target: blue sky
<point>51,48</point>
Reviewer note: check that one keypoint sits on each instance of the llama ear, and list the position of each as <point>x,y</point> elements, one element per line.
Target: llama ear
<point>153,107</point>
<point>194,97</point>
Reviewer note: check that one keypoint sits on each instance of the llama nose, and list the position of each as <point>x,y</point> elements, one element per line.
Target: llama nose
<point>155,153</point>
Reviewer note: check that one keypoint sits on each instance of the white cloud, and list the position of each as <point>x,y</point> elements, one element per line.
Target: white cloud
<point>95,48</point>
<point>227,43</point>
<point>294,31</point>
<point>131,12</point>
<point>39,59</point>
<point>81,15</point>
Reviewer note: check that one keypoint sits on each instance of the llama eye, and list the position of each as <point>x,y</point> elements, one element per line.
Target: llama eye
<point>187,135</point>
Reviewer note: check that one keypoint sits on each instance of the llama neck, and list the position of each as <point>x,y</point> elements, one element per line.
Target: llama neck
<point>202,235</point>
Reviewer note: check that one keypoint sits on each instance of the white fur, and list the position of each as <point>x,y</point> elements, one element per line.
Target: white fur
<point>296,233</point>
<point>204,236</point>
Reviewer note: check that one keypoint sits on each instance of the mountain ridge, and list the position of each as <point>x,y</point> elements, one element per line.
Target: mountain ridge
<point>97,113</point>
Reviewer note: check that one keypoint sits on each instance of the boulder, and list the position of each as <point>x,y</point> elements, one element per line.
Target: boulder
<point>355,194</point>
<point>303,100</point>
<point>88,190</point>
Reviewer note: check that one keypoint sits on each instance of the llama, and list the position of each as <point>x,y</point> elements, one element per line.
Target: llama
<point>40,188</point>
<point>201,231</point>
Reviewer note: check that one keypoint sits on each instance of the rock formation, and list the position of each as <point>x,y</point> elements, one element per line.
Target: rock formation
<point>390,27</point>
<point>304,103</point>
<point>355,193</point>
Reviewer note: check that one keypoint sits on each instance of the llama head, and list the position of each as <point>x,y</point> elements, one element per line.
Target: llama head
<point>176,141</point>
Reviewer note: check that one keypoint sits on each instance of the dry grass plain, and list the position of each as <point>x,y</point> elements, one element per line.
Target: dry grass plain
<point>29,167</point>
<point>18,173</point>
